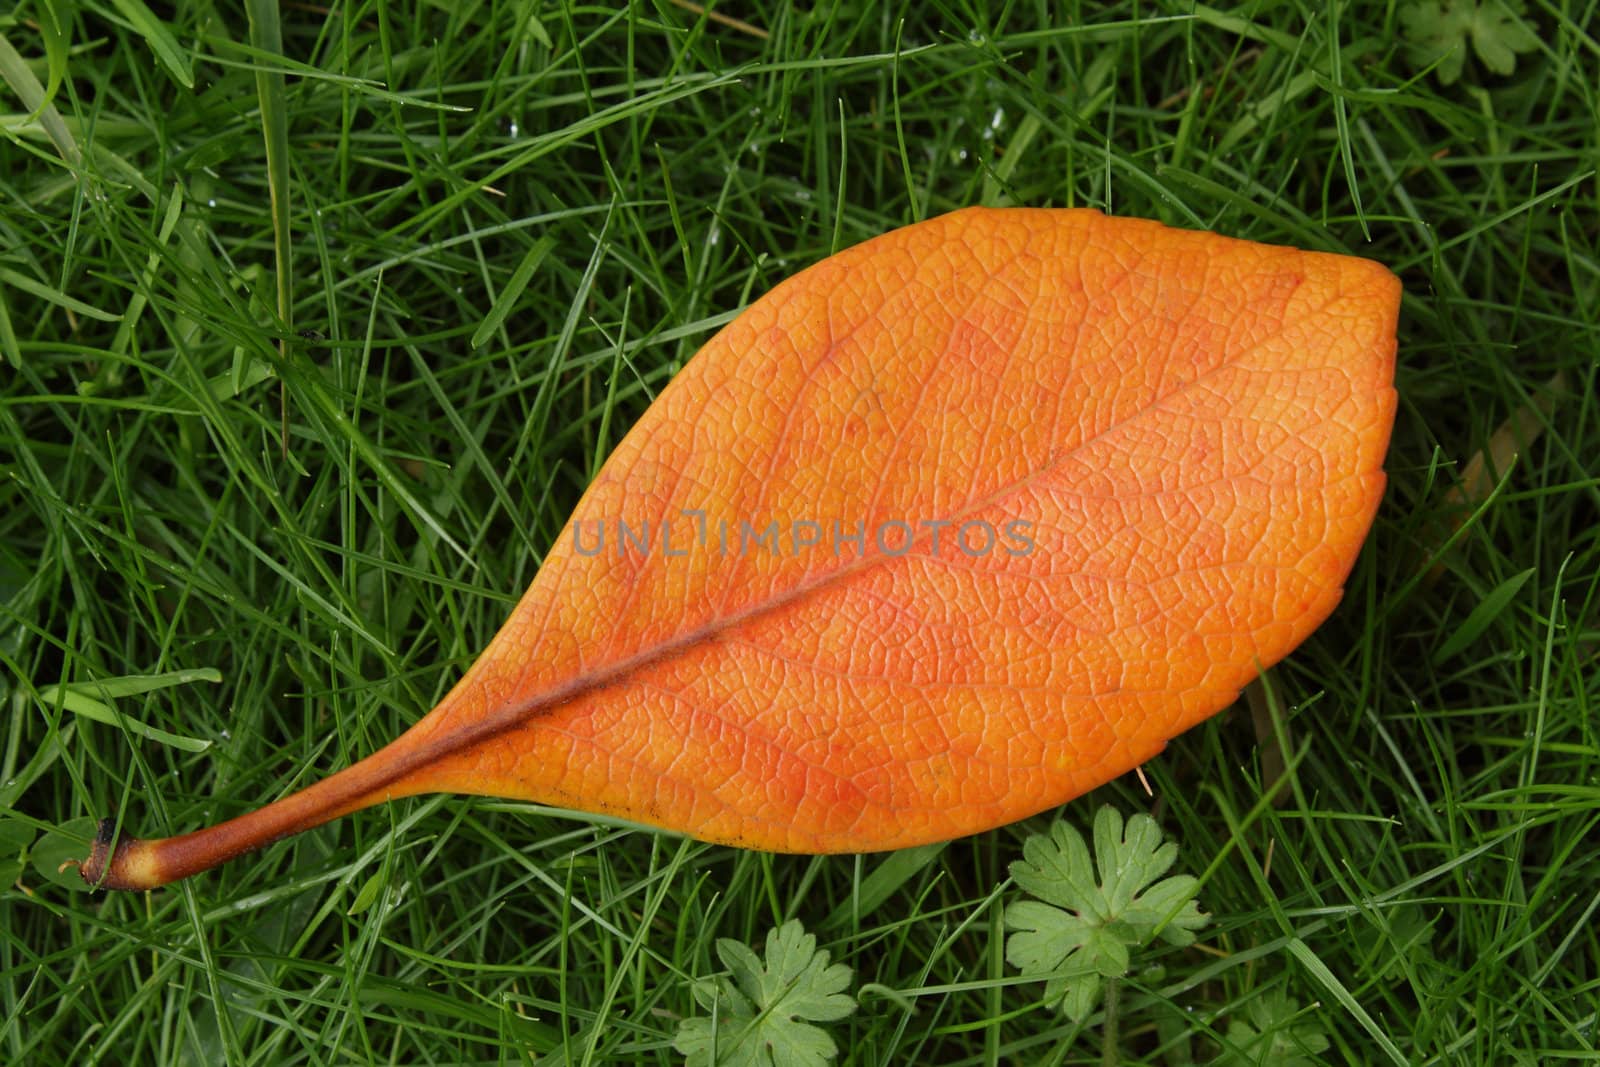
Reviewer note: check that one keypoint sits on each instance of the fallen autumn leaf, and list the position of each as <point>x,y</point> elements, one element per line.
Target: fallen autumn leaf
<point>1027,493</point>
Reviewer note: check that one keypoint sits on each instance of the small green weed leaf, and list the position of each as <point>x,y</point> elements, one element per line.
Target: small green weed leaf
<point>1273,1035</point>
<point>762,1015</point>
<point>1084,930</point>
<point>368,893</point>
<point>1437,31</point>
<point>67,842</point>
<point>1393,942</point>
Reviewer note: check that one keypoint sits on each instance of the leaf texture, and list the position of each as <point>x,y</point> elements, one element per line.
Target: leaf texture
<point>1069,483</point>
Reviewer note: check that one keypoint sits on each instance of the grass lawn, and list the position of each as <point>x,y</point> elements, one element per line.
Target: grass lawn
<point>276,512</point>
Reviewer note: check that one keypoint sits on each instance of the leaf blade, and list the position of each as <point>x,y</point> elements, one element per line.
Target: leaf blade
<point>763,1013</point>
<point>1180,435</point>
<point>1076,945</point>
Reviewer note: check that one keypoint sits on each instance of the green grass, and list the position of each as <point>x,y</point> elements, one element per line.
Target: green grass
<point>603,188</point>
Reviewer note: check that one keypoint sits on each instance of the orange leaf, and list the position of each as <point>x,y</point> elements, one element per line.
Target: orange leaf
<point>1069,481</point>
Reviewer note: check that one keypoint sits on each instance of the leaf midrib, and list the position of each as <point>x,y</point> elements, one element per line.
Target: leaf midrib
<point>512,716</point>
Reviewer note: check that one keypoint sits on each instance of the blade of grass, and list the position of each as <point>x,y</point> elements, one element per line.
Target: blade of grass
<point>506,302</point>
<point>55,296</point>
<point>159,38</point>
<point>92,701</point>
<point>141,296</point>
<point>19,77</point>
<point>1330,981</point>
<point>1482,615</point>
<point>266,35</point>
<point>56,33</point>
<point>9,345</point>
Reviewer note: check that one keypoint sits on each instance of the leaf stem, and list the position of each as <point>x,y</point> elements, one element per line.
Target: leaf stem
<point>140,864</point>
<point>1110,1053</point>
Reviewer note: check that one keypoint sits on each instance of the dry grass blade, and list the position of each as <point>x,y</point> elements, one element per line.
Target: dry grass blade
<point>1484,470</point>
<point>723,20</point>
